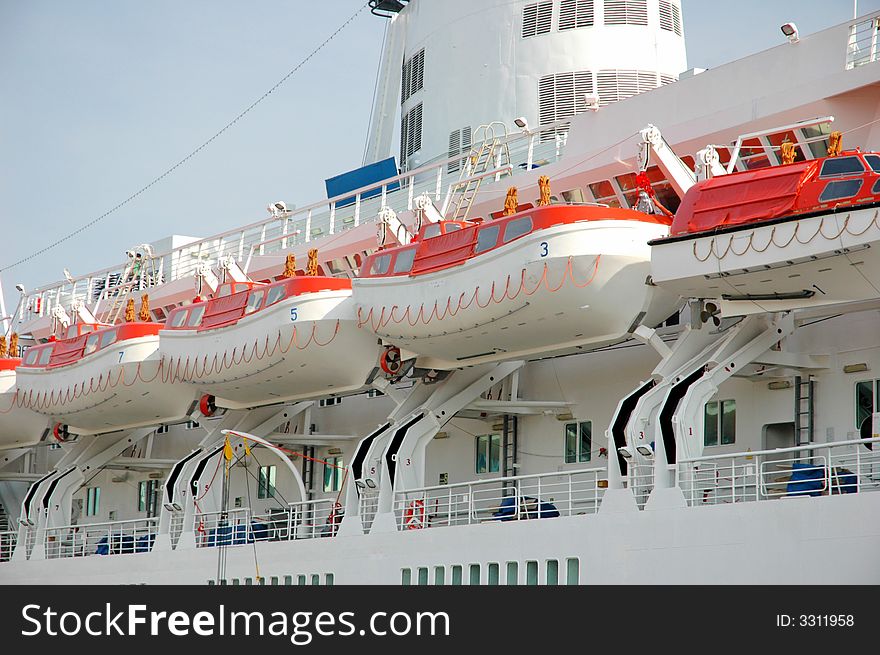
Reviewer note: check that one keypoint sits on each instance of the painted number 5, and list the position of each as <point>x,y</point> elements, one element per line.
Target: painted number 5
<point>545,249</point>
<point>293,313</point>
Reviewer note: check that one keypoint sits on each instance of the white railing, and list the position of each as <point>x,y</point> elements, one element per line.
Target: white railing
<point>292,228</point>
<point>369,505</point>
<point>238,527</point>
<point>112,538</point>
<point>810,470</point>
<point>543,495</point>
<point>861,47</point>
<point>640,480</point>
<point>8,539</point>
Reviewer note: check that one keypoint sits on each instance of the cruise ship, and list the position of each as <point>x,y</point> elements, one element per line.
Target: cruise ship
<point>583,316</point>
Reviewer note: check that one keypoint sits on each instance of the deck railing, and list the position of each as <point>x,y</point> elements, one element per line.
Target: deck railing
<point>240,526</point>
<point>810,470</point>
<point>543,495</point>
<point>861,47</point>
<point>289,229</point>
<point>8,539</point>
<point>111,538</point>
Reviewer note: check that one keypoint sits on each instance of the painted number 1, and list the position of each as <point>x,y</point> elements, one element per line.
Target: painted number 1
<point>293,313</point>
<point>545,249</point>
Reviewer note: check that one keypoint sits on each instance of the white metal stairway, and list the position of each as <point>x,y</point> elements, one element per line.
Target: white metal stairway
<point>490,153</point>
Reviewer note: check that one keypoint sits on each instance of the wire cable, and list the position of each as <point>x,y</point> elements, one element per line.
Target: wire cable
<point>193,153</point>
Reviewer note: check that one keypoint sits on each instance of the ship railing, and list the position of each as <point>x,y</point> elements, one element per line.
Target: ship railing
<point>640,480</point>
<point>801,471</point>
<point>110,538</point>
<point>369,505</point>
<point>237,527</point>
<point>175,527</point>
<point>8,539</point>
<point>861,46</point>
<point>513,498</point>
<point>295,227</point>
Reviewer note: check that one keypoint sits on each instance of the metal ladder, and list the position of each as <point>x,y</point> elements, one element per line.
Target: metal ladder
<point>804,393</point>
<point>492,152</point>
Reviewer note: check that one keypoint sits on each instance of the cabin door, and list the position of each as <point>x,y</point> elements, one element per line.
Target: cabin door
<point>778,435</point>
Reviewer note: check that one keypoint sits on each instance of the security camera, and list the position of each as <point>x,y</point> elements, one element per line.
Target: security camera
<point>791,31</point>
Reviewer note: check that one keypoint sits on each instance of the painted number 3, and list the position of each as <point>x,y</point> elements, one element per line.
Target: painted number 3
<point>545,249</point>
<point>293,313</point>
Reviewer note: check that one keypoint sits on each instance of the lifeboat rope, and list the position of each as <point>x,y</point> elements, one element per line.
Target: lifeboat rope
<point>750,243</point>
<point>198,368</point>
<point>447,311</point>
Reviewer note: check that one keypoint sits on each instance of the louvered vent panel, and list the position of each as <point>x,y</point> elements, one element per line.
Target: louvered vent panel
<point>561,96</point>
<point>575,13</point>
<point>626,12</point>
<point>537,19</point>
<point>616,85</point>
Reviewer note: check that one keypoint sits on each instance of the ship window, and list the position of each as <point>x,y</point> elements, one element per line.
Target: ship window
<point>517,228</point>
<point>195,316</point>
<point>867,400</point>
<point>422,578</point>
<point>842,166</point>
<point>432,230</point>
<point>147,495</point>
<point>333,470</point>
<point>93,501</point>
<point>91,344</point>
<point>31,357</point>
<point>487,238</point>
<point>255,300</point>
<point>719,423</point>
<point>176,319</point>
<point>575,13</point>
<point>456,574</point>
<point>840,189</point>
<point>531,573</point>
<point>266,484</point>
<point>403,263</point>
<point>275,294</point>
<point>380,265</point>
<point>572,565</point>
<point>603,193</point>
<point>406,577</point>
<point>817,138</point>
<point>873,162</point>
<point>488,453</point>
<point>108,338</point>
<point>474,574</point>
<point>44,356</point>
<point>493,574</point>
<point>439,575</point>
<point>512,573</point>
<point>578,442</point>
<point>536,19</point>
<point>552,571</point>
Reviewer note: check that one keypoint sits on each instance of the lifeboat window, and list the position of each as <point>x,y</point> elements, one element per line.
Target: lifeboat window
<point>487,238</point>
<point>91,344</point>
<point>177,319</point>
<point>255,300</point>
<point>842,166</point>
<point>380,265</point>
<point>108,338</point>
<point>451,227</point>
<point>224,290</point>
<point>72,332</point>
<point>517,228</point>
<point>873,162</point>
<point>432,230</point>
<point>44,357</point>
<point>31,357</point>
<point>876,189</point>
<point>404,261</point>
<point>195,316</point>
<point>276,294</point>
<point>840,189</point>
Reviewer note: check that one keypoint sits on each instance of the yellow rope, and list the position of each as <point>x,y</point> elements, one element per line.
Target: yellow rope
<point>144,314</point>
<point>312,266</point>
<point>289,266</point>
<point>835,144</point>
<point>510,202</point>
<point>544,186</point>
<point>129,311</point>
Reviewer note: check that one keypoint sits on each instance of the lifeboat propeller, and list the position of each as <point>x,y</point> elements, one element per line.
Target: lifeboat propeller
<point>710,310</point>
<point>390,361</point>
<point>62,434</point>
<point>207,405</point>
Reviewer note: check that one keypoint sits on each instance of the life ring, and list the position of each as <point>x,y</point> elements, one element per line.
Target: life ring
<point>207,405</point>
<point>390,361</point>
<point>414,517</point>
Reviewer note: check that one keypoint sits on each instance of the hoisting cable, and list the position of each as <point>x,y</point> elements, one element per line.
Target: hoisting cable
<point>193,153</point>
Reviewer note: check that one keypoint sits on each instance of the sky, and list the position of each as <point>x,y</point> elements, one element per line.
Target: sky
<point>99,97</point>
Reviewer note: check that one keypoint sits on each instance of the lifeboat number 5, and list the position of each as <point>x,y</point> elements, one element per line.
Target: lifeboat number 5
<point>414,517</point>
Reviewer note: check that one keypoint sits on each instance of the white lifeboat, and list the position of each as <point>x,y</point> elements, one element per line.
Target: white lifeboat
<point>18,425</point>
<point>544,280</point>
<point>258,344</point>
<point>804,234</point>
<point>101,378</point>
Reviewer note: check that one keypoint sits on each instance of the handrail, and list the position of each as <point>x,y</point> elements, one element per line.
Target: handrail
<point>777,451</point>
<point>509,478</point>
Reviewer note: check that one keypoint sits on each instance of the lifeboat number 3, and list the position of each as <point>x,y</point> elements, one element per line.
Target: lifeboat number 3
<point>545,249</point>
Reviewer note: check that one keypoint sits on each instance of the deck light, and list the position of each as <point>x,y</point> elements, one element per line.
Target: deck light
<point>855,368</point>
<point>521,122</point>
<point>645,450</point>
<point>591,100</point>
<point>791,31</point>
<point>20,288</point>
<point>625,452</point>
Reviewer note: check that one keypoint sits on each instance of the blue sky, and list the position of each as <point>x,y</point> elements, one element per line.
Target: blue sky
<point>101,96</point>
